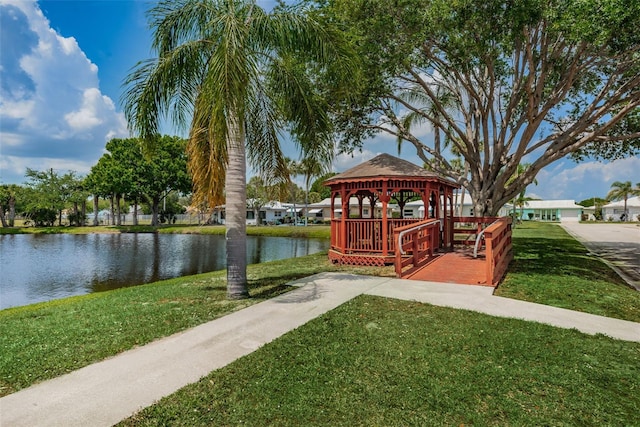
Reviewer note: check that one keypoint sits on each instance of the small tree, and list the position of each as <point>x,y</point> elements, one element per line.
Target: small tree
<point>258,195</point>
<point>8,198</point>
<point>318,187</point>
<point>48,193</point>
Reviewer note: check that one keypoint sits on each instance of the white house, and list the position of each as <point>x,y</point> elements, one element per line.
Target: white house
<point>321,211</point>
<point>613,211</point>
<point>416,209</point>
<point>551,210</point>
<point>273,212</point>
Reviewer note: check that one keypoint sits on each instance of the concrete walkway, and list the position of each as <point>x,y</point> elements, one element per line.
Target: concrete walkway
<point>617,243</point>
<point>104,393</point>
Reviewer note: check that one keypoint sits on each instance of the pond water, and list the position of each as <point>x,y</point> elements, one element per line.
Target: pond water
<point>35,268</point>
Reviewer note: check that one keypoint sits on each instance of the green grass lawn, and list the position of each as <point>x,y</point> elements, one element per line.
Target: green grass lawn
<point>376,361</point>
<point>370,362</point>
<point>551,267</point>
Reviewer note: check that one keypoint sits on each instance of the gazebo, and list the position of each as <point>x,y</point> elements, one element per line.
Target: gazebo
<point>365,236</point>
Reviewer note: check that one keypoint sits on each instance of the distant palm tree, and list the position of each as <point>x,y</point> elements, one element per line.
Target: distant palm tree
<point>312,167</point>
<point>521,200</point>
<point>622,191</point>
<point>225,69</point>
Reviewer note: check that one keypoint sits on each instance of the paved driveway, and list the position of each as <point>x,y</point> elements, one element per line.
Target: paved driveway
<point>617,243</point>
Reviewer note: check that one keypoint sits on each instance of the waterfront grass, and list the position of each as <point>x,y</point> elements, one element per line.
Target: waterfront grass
<point>376,361</point>
<point>311,231</point>
<point>45,340</point>
<point>552,268</point>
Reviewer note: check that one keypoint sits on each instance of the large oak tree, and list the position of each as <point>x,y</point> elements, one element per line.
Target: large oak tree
<point>505,83</point>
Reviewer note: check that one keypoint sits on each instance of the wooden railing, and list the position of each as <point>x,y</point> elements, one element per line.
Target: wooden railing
<point>365,235</point>
<point>467,228</point>
<point>419,240</point>
<point>499,251</point>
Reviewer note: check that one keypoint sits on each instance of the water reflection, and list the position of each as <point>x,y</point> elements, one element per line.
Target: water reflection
<point>40,267</point>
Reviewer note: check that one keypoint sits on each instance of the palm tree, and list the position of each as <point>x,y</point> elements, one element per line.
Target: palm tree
<point>622,191</point>
<point>226,69</point>
<point>294,170</point>
<point>316,164</point>
<point>521,200</point>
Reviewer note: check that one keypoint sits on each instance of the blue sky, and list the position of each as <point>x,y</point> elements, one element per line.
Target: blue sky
<point>62,63</point>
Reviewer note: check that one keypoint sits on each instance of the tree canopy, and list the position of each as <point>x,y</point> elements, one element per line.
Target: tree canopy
<point>126,171</point>
<point>505,83</point>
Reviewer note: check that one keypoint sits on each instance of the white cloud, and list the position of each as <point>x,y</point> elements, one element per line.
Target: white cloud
<point>16,166</point>
<point>566,180</point>
<point>94,106</point>
<point>347,161</point>
<point>53,114</point>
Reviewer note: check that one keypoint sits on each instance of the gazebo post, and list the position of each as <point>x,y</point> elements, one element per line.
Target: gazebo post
<point>445,221</point>
<point>344,198</point>
<point>451,207</point>
<point>384,198</point>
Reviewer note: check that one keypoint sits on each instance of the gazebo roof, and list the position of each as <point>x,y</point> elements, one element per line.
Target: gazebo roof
<point>386,165</point>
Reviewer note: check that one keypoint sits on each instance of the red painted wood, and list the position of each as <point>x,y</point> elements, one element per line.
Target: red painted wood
<point>454,267</point>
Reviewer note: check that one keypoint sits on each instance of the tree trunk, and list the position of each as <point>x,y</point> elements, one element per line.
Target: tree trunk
<point>3,219</point>
<point>118,213</point>
<point>83,218</point>
<point>75,214</point>
<point>12,211</point>
<point>155,207</point>
<point>135,212</point>
<point>236,212</point>
<point>306,202</point>
<point>483,206</point>
<point>462,189</point>
<point>113,210</point>
<point>95,210</point>
<point>461,201</point>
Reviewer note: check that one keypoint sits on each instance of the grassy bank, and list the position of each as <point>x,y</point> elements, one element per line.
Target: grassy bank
<point>552,268</point>
<point>375,361</point>
<point>45,340</point>
<point>312,231</point>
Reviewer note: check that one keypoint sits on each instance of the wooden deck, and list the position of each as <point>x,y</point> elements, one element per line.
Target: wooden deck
<point>458,266</point>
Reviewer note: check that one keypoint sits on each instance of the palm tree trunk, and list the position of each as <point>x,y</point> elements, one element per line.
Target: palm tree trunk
<point>236,212</point>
